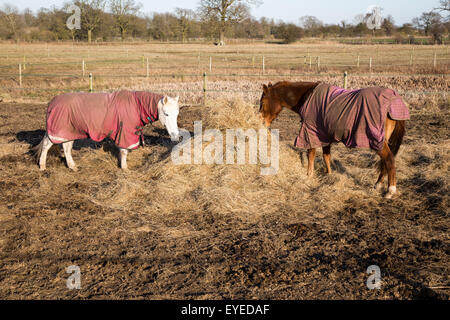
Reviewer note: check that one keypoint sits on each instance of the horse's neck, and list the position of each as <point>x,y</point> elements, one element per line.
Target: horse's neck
<point>294,95</point>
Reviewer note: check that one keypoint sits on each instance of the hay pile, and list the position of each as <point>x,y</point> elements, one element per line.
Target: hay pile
<point>156,185</point>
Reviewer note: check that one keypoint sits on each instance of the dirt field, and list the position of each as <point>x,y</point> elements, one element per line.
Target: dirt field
<point>222,232</point>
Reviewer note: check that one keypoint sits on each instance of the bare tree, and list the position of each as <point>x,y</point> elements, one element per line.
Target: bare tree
<point>91,14</point>
<point>10,15</point>
<point>225,13</point>
<point>426,20</point>
<point>28,17</point>
<point>444,5</point>
<point>123,12</point>
<point>185,18</point>
<point>388,25</point>
<point>311,24</point>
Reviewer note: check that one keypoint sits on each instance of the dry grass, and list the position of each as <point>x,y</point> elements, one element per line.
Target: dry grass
<point>175,67</point>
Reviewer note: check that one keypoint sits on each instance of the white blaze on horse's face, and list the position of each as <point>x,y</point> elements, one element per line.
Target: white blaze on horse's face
<point>168,110</point>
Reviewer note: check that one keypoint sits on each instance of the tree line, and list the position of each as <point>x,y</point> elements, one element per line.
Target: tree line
<point>216,20</point>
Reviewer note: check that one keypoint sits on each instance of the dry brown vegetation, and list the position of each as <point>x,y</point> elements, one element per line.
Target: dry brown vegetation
<point>224,231</point>
<point>55,68</point>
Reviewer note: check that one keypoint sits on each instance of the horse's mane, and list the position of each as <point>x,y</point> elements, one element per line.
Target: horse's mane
<point>302,89</point>
<point>294,84</point>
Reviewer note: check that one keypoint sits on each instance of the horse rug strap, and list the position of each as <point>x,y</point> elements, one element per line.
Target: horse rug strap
<point>118,115</point>
<point>354,117</point>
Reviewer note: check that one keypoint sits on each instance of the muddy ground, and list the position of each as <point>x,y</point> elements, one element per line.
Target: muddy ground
<point>47,223</point>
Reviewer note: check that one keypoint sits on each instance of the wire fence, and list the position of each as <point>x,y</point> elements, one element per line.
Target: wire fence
<point>142,68</point>
<point>409,58</point>
<point>205,90</point>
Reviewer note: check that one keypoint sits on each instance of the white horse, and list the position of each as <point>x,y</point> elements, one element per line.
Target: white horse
<point>168,110</point>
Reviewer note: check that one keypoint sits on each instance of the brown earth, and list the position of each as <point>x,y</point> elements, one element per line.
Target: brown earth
<point>130,244</point>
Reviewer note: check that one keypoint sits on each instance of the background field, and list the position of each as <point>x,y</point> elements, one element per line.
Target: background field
<point>166,231</point>
<point>48,68</point>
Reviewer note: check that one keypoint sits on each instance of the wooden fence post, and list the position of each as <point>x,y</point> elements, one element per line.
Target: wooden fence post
<point>370,65</point>
<point>318,63</point>
<point>263,65</point>
<point>357,62</point>
<point>345,79</point>
<point>435,60</point>
<point>83,67</point>
<point>24,63</point>
<point>148,69</point>
<point>310,62</point>
<point>91,85</point>
<point>210,64</point>
<point>204,88</point>
<point>20,75</point>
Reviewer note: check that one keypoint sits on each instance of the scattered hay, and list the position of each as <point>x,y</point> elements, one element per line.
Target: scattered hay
<point>162,187</point>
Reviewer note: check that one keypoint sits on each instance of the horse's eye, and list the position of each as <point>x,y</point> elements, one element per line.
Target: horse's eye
<point>166,114</point>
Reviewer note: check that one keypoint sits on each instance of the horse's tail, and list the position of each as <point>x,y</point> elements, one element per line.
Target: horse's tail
<point>36,151</point>
<point>396,138</point>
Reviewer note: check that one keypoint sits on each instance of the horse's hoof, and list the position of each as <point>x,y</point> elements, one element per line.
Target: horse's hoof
<point>74,169</point>
<point>42,169</point>
<point>391,193</point>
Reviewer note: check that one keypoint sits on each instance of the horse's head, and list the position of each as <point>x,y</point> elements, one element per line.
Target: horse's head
<point>270,106</point>
<point>168,109</point>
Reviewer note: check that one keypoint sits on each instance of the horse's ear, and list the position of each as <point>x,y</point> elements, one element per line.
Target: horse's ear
<point>265,88</point>
<point>270,84</point>
<point>165,100</point>
<point>177,98</point>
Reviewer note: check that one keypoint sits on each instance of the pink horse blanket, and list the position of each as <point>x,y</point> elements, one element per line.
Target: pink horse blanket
<point>356,118</point>
<point>118,115</point>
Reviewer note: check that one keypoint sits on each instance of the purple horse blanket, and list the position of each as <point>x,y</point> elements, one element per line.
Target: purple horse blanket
<point>118,115</point>
<point>356,118</point>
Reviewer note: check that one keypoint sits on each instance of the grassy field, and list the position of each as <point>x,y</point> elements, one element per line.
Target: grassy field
<point>221,231</point>
<point>49,69</point>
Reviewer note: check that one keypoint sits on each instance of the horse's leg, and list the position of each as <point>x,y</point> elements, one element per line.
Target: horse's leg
<point>46,145</point>
<point>389,162</point>
<point>67,146</point>
<point>389,127</point>
<point>123,159</point>
<point>379,183</point>
<point>327,157</point>
<point>311,157</point>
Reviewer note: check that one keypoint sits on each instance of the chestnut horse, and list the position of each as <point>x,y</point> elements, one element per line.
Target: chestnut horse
<point>293,95</point>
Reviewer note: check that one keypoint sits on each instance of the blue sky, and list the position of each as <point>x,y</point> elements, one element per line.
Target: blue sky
<point>329,11</point>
